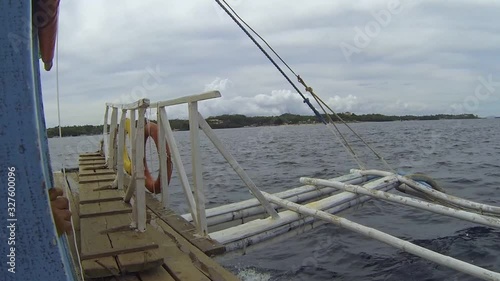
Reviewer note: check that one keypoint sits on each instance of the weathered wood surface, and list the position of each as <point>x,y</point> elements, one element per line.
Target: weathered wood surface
<point>187,256</point>
<point>97,178</point>
<point>92,167</point>
<point>89,194</point>
<point>92,242</point>
<point>73,237</point>
<point>156,274</point>
<point>90,154</point>
<point>105,253</point>
<point>104,208</point>
<point>85,173</point>
<point>90,158</point>
<point>134,262</point>
<point>109,248</point>
<point>92,162</point>
<point>185,228</point>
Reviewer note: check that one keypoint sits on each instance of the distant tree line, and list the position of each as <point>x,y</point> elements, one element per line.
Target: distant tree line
<point>69,131</point>
<point>238,121</point>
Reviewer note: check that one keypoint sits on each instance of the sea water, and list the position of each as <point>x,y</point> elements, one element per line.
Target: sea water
<point>462,155</point>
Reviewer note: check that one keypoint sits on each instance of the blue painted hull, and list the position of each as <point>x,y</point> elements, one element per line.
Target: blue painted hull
<point>30,248</point>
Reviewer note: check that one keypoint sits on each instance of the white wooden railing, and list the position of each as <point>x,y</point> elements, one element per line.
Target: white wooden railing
<point>114,143</point>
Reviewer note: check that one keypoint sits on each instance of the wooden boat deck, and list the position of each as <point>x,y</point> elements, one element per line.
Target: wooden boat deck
<point>167,250</point>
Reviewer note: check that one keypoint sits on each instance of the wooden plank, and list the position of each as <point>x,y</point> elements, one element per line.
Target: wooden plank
<point>91,158</point>
<point>97,178</point>
<point>98,200</point>
<point>196,257</point>
<point>86,173</point>
<point>128,277</point>
<point>90,154</point>
<point>92,167</point>
<point>133,262</point>
<point>156,274</point>
<point>92,241</point>
<point>72,180</point>
<point>101,207</point>
<point>89,195</point>
<point>60,182</point>
<point>117,251</point>
<point>185,228</point>
<point>105,213</point>
<point>92,163</point>
<point>176,258</point>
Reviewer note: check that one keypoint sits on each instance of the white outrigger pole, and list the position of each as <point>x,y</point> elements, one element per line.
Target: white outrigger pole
<point>267,216</point>
<point>241,224</point>
<point>386,238</point>
<point>450,205</point>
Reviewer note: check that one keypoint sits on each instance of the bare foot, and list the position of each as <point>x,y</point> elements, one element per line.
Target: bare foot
<point>60,211</point>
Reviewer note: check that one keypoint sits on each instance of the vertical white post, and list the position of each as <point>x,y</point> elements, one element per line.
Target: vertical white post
<point>133,134</point>
<point>112,139</point>
<point>105,133</point>
<point>121,147</point>
<point>140,189</point>
<point>179,167</point>
<point>197,169</point>
<point>132,139</point>
<point>237,168</point>
<point>162,150</point>
<point>105,125</point>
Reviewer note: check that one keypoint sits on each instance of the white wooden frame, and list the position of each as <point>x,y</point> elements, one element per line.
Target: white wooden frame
<point>197,168</point>
<point>236,166</point>
<point>162,151</point>
<point>135,193</point>
<point>112,139</point>
<point>105,133</point>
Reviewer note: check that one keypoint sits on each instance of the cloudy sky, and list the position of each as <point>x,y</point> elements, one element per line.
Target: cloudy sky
<point>369,56</point>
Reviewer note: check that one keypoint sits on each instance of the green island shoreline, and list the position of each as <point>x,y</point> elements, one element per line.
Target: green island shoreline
<point>239,121</point>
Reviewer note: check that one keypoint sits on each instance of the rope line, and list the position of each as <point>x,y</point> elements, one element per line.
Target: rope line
<point>306,100</point>
<point>318,99</point>
<point>260,37</point>
<point>320,102</point>
<point>80,267</point>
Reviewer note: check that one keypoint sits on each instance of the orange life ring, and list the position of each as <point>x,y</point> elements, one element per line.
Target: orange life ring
<point>154,185</point>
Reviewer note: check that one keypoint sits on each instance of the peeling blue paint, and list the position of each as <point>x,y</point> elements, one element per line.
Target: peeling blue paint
<point>23,145</point>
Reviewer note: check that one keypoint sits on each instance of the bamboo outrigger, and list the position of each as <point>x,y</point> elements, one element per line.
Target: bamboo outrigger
<point>121,230</point>
<point>239,225</point>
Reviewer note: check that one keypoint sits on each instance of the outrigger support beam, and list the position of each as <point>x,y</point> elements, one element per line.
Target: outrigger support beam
<point>236,166</point>
<point>387,239</point>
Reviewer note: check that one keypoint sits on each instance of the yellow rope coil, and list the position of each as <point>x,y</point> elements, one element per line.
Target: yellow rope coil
<point>127,163</point>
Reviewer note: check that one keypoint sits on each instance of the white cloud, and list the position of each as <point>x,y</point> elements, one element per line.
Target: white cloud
<point>218,84</point>
<point>343,104</point>
<point>426,59</point>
